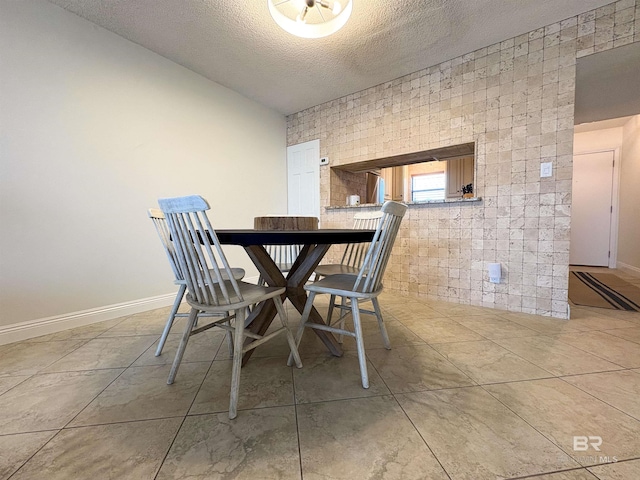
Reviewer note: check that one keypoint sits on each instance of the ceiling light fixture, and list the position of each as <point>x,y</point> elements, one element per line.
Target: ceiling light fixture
<point>310,18</point>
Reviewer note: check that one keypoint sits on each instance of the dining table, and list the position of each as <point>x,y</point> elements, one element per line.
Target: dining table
<point>315,244</point>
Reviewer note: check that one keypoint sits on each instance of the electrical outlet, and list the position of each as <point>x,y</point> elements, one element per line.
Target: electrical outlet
<point>546,169</point>
<point>324,161</point>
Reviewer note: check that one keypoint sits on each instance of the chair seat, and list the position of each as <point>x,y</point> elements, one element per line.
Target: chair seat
<point>342,286</point>
<point>238,274</point>
<point>251,294</point>
<point>335,269</point>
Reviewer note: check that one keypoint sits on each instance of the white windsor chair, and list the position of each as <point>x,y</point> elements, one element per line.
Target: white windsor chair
<point>160,222</point>
<point>364,286</point>
<point>212,288</point>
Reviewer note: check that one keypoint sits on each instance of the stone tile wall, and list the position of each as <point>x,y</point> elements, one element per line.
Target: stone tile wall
<point>345,183</point>
<point>515,99</point>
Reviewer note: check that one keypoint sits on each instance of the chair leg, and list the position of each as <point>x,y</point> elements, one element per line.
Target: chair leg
<point>332,303</point>
<point>343,317</point>
<point>303,322</point>
<point>193,316</point>
<point>237,363</point>
<point>229,337</point>
<point>383,329</point>
<point>362,359</point>
<point>172,316</point>
<point>285,324</point>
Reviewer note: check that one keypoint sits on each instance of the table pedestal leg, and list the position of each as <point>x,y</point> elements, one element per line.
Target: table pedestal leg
<point>303,267</point>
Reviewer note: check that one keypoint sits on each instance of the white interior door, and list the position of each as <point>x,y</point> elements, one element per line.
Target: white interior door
<point>303,179</point>
<point>591,208</point>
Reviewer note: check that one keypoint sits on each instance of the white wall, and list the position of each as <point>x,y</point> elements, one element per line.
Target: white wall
<point>596,140</point>
<point>629,231</point>
<point>93,130</point>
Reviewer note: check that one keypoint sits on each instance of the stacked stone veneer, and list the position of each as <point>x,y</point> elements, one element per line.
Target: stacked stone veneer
<point>514,99</point>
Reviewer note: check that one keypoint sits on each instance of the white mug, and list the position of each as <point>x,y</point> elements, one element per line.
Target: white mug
<point>353,200</point>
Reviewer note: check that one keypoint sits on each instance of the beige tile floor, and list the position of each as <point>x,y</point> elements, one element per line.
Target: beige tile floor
<point>465,393</point>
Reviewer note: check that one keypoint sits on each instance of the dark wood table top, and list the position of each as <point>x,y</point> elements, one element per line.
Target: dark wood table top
<point>249,237</point>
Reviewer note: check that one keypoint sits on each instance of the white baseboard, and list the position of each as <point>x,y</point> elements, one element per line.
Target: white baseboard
<point>44,326</point>
<point>630,269</point>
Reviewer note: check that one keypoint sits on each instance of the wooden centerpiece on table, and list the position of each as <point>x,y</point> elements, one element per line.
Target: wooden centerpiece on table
<point>285,222</point>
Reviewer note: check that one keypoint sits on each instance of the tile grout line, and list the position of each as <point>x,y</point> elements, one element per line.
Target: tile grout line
<point>393,395</point>
<point>19,383</point>
<point>34,454</point>
<point>420,435</point>
<point>620,461</point>
<point>600,399</point>
<point>591,353</point>
<point>184,417</point>
<point>534,428</point>
<point>553,375</point>
<point>538,475</point>
<point>124,369</point>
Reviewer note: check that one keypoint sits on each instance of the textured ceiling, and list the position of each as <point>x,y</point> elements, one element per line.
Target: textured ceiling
<point>236,43</point>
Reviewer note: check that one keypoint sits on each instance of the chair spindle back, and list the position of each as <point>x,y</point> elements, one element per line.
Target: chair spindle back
<point>283,255</point>
<point>354,254</point>
<point>375,262</point>
<point>198,251</point>
<point>160,222</point>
